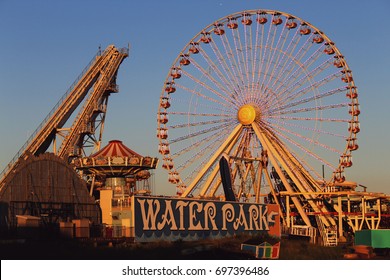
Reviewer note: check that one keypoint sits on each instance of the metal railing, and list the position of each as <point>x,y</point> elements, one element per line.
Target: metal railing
<point>304,231</point>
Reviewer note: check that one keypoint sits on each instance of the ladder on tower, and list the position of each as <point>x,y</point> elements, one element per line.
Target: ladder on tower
<point>94,84</point>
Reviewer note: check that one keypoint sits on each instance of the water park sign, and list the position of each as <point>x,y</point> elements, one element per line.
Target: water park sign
<point>157,218</point>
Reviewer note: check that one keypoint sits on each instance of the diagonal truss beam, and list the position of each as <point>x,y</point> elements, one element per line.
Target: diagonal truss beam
<point>232,138</point>
<point>275,158</point>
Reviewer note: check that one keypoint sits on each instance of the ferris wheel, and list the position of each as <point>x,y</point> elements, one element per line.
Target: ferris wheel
<point>268,90</point>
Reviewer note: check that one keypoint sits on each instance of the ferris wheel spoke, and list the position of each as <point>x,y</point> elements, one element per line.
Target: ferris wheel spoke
<point>307,139</point>
<point>205,97</point>
<point>317,108</point>
<point>240,54</point>
<point>199,154</point>
<point>227,98</point>
<point>248,50</point>
<point>292,83</point>
<point>287,57</point>
<point>227,87</point>
<point>292,159</point>
<point>242,46</point>
<point>210,138</point>
<point>259,61</point>
<point>295,83</point>
<point>305,150</point>
<point>296,58</point>
<point>304,49</point>
<point>254,47</point>
<point>301,128</point>
<point>297,67</point>
<point>268,47</point>
<point>315,119</point>
<point>205,162</point>
<point>312,85</point>
<point>234,65</point>
<point>205,106</point>
<point>228,70</point>
<point>290,95</point>
<point>188,124</point>
<point>199,114</point>
<point>312,98</point>
<point>204,131</point>
<point>277,50</point>
<point>246,57</point>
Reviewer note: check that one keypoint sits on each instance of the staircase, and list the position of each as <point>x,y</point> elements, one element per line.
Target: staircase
<point>328,234</point>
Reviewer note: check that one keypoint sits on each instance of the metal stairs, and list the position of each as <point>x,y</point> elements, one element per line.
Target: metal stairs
<point>328,234</point>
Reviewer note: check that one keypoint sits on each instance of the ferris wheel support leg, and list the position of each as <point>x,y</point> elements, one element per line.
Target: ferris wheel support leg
<point>210,179</point>
<point>302,170</point>
<point>250,171</point>
<point>215,187</point>
<point>232,138</point>
<point>300,176</point>
<point>258,183</point>
<point>271,154</point>
<point>212,176</point>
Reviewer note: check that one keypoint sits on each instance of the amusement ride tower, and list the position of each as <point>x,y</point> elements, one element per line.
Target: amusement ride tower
<point>45,185</point>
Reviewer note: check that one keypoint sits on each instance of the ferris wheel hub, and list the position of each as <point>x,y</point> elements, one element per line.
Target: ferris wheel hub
<point>248,113</point>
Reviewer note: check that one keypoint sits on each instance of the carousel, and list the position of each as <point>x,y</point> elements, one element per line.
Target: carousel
<point>115,174</point>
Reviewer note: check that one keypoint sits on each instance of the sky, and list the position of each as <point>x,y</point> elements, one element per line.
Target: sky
<point>45,44</point>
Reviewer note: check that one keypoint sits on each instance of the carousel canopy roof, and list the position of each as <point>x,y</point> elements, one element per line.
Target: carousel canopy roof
<point>115,148</point>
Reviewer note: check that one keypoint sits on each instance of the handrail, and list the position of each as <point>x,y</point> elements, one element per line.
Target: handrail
<point>324,233</point>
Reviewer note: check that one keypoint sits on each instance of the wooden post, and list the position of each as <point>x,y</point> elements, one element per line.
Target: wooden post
<point>288,210</point>
<point>340,210</point>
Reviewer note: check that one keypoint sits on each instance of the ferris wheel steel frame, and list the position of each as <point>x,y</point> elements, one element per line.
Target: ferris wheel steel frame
<point>216,26</point>
<point>278,81</point>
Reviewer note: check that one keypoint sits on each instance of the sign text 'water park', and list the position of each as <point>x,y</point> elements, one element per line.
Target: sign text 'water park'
<point>175,218</point>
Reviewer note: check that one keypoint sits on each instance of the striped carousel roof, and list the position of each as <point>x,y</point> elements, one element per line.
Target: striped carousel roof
<point>116,148</point>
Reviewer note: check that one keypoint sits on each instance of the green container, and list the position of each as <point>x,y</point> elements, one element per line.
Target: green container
<point>376,238</point>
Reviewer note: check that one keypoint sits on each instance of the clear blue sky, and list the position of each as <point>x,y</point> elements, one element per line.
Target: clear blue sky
<point>45,44</point>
